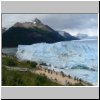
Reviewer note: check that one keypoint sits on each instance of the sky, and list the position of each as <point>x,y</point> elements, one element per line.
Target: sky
<point>71,23</point>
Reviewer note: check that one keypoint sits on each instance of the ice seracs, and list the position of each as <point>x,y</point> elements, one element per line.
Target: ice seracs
<point>61,54</point>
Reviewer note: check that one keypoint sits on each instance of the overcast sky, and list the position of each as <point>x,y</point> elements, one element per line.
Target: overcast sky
<point>72,23</point>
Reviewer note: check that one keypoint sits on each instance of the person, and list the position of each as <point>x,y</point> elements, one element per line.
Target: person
<point>65,82</point>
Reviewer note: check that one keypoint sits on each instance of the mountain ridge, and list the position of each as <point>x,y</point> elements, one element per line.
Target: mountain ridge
<point>67,36</point>
<point>28,33</point>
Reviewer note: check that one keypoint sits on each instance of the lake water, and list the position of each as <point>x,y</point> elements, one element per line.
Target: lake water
<point>9,51</point>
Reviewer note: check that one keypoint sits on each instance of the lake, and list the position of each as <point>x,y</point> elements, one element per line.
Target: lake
<point>9,51</point>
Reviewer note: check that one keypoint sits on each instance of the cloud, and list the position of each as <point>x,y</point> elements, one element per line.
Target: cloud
<point>74,23</point>
<point>9,19</point>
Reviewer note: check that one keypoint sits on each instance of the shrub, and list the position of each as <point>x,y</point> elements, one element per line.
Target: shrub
<point>10,61</point>
<point>33,64</point>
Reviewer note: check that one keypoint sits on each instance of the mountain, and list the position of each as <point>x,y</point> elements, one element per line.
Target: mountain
<point>81,36</point>
<point>85,36</point>
<point>67,36</point>
<point>77,58</point>
<point>28,33</point>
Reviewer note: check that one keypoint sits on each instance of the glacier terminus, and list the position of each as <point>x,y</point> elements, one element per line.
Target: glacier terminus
<point>78,57</point>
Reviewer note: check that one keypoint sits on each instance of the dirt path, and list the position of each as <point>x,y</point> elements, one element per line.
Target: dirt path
<point>58,76</point>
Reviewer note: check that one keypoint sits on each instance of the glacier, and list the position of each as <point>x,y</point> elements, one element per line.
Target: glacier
<point>78,57</point>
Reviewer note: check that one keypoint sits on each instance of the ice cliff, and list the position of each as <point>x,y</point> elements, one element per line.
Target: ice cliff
<point>62,54</point>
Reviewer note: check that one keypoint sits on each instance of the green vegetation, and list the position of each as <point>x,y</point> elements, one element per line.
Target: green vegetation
<point>17,78</point>
<point>9,61</point>
<point>13,61</point>
<point>32,64</point>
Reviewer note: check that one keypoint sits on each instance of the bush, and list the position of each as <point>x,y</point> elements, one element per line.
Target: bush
<point>33,64</point>
<point>9,61</point>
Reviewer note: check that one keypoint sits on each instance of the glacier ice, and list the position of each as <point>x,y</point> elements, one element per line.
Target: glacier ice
<point>68,56</point>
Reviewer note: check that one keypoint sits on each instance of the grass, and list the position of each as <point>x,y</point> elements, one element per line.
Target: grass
<point>13,61</point>
<point>16,78</point>
<point>9,61</point>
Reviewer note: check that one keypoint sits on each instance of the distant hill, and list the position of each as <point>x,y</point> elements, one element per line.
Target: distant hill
<point>67,36</point>
<point>28,33</point>
<point>81,36</point>
<point>85,36</point>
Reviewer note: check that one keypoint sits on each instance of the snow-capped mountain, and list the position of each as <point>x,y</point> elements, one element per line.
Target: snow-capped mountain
<point>67,35</point>
<point>36,23</point>
<point>70,55</point>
